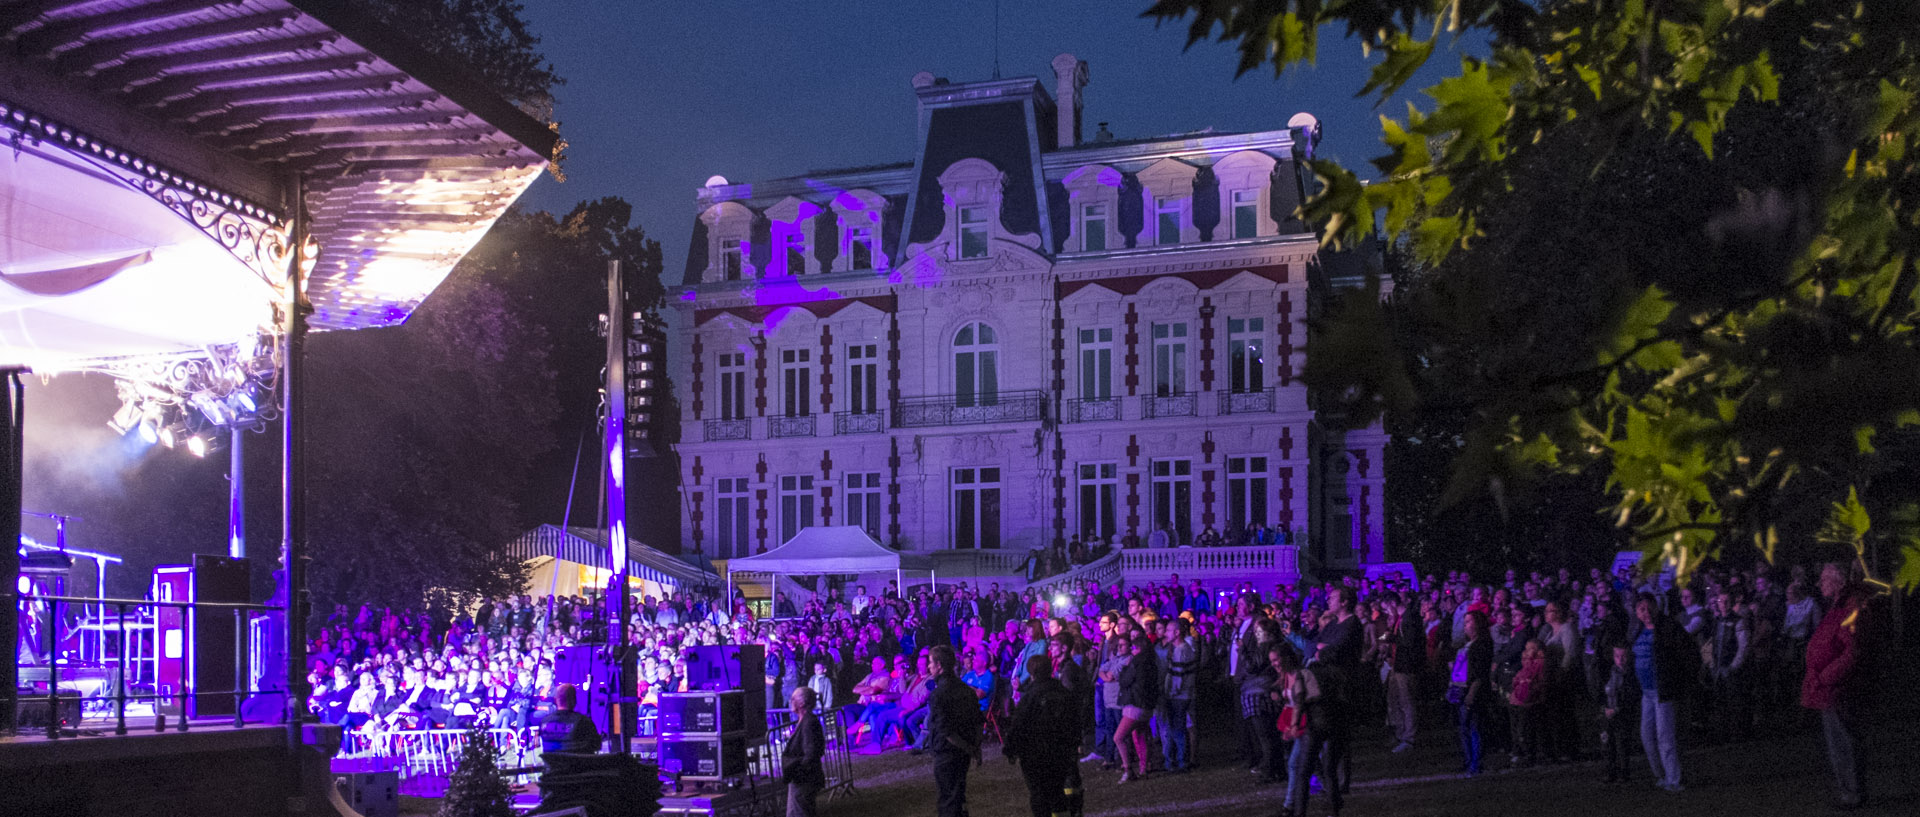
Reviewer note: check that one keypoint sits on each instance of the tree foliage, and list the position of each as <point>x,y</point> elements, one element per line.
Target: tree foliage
<point>1670,241</point>
<point>487,36</point>
<point>476,788</point>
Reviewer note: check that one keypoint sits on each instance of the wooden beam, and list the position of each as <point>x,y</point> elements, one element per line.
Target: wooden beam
<point>100,52</point>
<point>70,31</point>
<point>181,83</point>
<point>125,75</point>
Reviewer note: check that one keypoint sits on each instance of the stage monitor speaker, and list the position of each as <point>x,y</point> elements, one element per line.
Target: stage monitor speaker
<point>724,667</point>
<point>702,713</point>
<point>373,794</point>
<point>31,710</point>
<point>714,757</point>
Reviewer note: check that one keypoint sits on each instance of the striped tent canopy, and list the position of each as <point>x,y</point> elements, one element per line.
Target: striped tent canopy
<point>588,546</point>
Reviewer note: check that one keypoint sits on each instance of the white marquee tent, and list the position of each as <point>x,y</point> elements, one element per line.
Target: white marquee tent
<point>825,551</point>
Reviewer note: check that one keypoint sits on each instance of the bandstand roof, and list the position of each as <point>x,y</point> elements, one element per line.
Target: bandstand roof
<point>158,148</point>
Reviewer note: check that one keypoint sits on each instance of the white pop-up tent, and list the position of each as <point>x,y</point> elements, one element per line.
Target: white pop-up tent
<point>826,551</point>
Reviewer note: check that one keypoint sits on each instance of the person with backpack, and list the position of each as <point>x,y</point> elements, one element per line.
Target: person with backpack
<point>1044,737</point>
<point>1317,703</point>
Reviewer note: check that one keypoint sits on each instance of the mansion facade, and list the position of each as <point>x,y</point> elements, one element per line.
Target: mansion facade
<point>1020,336</point>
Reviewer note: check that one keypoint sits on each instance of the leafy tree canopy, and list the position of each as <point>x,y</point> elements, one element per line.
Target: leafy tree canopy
<point>1672,241</point>
<point>488,36</point>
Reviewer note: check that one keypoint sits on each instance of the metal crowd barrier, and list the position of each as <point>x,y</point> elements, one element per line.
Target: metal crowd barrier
<point>240,692</point>
<point>836,761</point>
<point>426,758</point>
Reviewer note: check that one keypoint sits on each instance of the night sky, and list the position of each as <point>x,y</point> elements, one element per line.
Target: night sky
<point>659,99</point>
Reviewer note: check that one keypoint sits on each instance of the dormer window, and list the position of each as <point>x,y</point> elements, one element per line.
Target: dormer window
<point>973,232</point>
<point>793,246</point>
<point>730,260</point>
<point>860,246</point>
<point>1246,214</point>
<point>1093,227</point>
<point>1166,218</point>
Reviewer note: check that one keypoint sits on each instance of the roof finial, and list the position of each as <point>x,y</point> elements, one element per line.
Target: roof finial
<point>996,39</point>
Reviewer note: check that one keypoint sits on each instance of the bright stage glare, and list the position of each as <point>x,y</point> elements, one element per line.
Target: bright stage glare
<point>25,584</point>
<point>148,435</point>
<point>242,403</point>
<point>166,436</point>
<point>1060,600</point>
<point>197,445</point>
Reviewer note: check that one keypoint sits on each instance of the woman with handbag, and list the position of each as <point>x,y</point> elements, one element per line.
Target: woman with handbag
<point>1315,719</point>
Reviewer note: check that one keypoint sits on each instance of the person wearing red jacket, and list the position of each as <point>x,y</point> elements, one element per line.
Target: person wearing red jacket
<point>1833,658</point>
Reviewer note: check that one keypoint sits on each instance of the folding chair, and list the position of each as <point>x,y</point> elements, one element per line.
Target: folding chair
<point>999,710</point>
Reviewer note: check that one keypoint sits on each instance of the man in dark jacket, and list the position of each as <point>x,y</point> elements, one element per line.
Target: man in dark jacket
<point>1833,659</point>
<point>953,721</point>
<point>800,763</point>
<point>1409,642</point>
<point>1045,738</point>
<point>1666,662</point>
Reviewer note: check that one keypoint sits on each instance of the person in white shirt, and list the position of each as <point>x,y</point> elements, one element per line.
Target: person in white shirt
<point>861,600</point>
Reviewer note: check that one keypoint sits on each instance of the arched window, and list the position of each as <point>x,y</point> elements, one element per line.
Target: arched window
<point>976,366</point>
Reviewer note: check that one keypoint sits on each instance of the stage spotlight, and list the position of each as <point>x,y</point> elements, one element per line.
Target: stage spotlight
<point>167,437</point>
<point>125,419</point>
<point>242,404</point>
<point>212,407</point>
<point>147,433</point>
<point>197,445</point>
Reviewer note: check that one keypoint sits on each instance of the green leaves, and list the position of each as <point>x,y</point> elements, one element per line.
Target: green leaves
<point>1404,56</point>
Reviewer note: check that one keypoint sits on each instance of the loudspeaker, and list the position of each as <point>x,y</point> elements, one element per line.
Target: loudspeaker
<point>713,757</point>
<point>702,713</point>
<point>373,794</point>
<point>31,711</point>
<point>727,667</point>
<point>594,668</point>
<point>211,634</point>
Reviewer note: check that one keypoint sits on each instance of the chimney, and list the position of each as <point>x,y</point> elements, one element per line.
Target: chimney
<point>1070,75</point>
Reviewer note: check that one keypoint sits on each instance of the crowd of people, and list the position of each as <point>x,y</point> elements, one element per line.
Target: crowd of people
<point>1542,668</point>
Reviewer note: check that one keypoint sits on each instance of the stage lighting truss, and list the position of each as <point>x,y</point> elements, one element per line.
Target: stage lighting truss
<point>185,402</point>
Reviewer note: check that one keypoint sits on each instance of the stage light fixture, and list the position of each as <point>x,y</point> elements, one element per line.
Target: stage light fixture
<point>147,433</point>
<point>167,437</point>
<point>242,403</point>
<point>212,407</point>
<point>197,445</point>
<point>126,418</point>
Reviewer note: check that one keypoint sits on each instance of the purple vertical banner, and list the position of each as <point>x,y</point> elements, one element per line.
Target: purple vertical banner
<point>615,439</point>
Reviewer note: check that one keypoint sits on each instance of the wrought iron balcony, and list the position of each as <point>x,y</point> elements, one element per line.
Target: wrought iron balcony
<point>1247,402</point>
<point>859,422</point>
<point>1170,405</point>
<point>951,410</point>
<point>1093,409</point>
<point>725,430</point>
<point>802,426</point>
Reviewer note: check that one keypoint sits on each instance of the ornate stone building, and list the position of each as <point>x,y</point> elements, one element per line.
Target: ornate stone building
<point>1018,336</point>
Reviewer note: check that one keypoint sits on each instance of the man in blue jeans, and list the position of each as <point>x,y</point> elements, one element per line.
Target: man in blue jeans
<point>1179,662</point>
<point>1661,651</point>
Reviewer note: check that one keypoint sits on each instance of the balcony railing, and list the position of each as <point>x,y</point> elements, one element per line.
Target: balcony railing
<point>1224,563</point>
<point>1247,402</point>
<point>859,422</point>
<point>1170,405</point>
<point>951,410</point>
<point>1093,409</point>
<point>724,430</point>
<point>802,426</point>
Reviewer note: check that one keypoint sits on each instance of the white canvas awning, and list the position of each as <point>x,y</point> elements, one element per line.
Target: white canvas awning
<point>833,550</point>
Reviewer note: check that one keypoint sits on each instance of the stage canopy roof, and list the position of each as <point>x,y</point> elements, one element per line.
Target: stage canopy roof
<point>830,550</point>
<point>157,149</point>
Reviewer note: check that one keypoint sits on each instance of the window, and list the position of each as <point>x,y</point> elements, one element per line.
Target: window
<point>796,506</point>
<point>731,499</point>
<point>1169,359</point>
<point>1093,227</point>
<point>1172,499</point>
<point>1166,214</point>
<point>860,246</point>
<point>733,386</point>
<point>976,366</point>
<point>863,378</point>
<point>1246,213</point>
<point>730,259</point>
<point>793,247</point>
<point>1246,492</point>
<point>796,382</point>
<point>1099,494</point>
<point>1246,345</point>
<point>973,232</point>
<point>1096,364</point>
<point>863,502</point>
<point>976,508</point>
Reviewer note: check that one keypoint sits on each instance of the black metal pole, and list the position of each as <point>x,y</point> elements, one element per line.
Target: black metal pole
<point>12,413</point>
<point>120,687</point>
<point>53,670</point>
<point>293,521</point>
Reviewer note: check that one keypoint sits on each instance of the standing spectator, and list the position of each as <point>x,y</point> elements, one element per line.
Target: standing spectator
<point>1409,662</point>
<point>1830,686</point>
<point>1180,670</point>
<point>800,759</point>
<point>1139,680</point>
<point>1044,735</point>
<point>1662,664</point>
<point>1467,689</point>
<point>954,722</point>
<point>1316,698</point>
<point>1529,688</point>
<point>1620,700</point>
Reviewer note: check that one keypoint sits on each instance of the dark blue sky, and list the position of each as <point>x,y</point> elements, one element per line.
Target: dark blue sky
<point>661,95</point>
